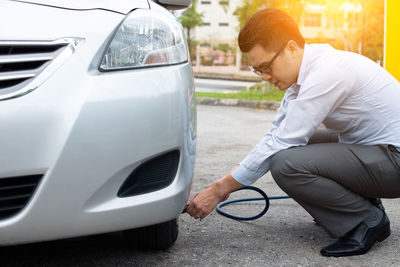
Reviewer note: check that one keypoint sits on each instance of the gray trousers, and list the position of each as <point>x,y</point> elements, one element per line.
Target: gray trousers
<point>333,181</point>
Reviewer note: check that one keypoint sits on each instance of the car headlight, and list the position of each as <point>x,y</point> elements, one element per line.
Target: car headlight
<point>146,38</point>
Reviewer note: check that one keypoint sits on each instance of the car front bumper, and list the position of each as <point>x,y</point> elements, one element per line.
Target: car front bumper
<point>85,131</point>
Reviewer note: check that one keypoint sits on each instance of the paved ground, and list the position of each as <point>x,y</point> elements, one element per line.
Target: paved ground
<point>285,236</point>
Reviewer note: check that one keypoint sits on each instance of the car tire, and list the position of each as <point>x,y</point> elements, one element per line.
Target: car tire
<point>155,237</point>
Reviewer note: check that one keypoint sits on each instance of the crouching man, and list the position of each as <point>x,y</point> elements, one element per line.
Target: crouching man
<point>338,175</point>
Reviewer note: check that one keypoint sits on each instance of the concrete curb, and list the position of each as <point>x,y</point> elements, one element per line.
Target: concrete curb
<point>227,76</point>
<point>270,105</point>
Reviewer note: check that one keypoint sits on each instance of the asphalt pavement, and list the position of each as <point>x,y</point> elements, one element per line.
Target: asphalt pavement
<point>285,236</point>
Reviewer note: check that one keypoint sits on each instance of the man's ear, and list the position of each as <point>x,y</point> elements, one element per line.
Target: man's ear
<point>293,48</point>
<point>292,45</point>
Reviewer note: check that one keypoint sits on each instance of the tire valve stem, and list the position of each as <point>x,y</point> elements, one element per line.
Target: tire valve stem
<point>184,209</point>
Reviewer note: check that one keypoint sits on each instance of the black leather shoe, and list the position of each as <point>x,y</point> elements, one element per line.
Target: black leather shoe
<point>359,240</point>
<point>377,202</point>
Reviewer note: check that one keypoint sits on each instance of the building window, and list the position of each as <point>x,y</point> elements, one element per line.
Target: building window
<point>223,24</point>
<point>206,24</point>
<point>206,2</point>
<point>313,20</point>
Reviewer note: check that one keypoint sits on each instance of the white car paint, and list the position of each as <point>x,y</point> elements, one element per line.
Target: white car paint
<point>86,130</point>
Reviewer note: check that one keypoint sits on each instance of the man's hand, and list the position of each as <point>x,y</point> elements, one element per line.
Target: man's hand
<point>205,201</point>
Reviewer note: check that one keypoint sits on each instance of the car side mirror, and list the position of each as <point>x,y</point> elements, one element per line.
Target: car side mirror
<point>174,4</point>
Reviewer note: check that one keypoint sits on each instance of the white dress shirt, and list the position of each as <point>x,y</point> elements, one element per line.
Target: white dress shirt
<point>349,93</point>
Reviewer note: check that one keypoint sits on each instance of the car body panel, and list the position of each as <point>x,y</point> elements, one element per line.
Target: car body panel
<point>86,130</point>
<point>120,6</point>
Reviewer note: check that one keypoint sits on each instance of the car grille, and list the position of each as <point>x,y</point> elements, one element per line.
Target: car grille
<point>21,62</point>
<point>15,193</point>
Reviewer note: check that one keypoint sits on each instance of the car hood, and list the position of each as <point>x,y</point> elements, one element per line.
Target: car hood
<point>120,6</point>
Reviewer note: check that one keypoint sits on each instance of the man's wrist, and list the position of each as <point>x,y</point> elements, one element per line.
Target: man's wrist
<point>226,185</point>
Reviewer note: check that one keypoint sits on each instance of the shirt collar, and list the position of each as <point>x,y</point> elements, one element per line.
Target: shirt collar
<point>304,64</point>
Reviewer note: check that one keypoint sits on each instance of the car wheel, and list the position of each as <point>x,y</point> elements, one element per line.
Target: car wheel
<point>154,237</point>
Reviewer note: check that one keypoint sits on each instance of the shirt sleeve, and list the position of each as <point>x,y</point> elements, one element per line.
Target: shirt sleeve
<point>297,119</point>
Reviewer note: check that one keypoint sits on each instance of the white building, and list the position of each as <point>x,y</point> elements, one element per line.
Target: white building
<point>315,22</point>
<point>219,24</point>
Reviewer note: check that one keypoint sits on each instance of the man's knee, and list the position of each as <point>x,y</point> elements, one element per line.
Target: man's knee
<point>280,166</point>
<point>288,166</point>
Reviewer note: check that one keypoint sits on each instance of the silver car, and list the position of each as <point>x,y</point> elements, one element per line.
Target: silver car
<point>97,120</point>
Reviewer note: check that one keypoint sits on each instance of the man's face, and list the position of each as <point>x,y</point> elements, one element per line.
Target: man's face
<point>285,65</point>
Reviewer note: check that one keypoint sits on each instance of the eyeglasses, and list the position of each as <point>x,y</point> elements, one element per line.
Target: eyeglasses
<point>265,68</point>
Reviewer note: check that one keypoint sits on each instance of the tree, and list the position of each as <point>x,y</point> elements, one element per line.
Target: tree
<point>224,4</point>
<point>190,19</point>
<point>224,47</point>
<point>294,8</point>
<point>357,25</point>
<point>360,24</point>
